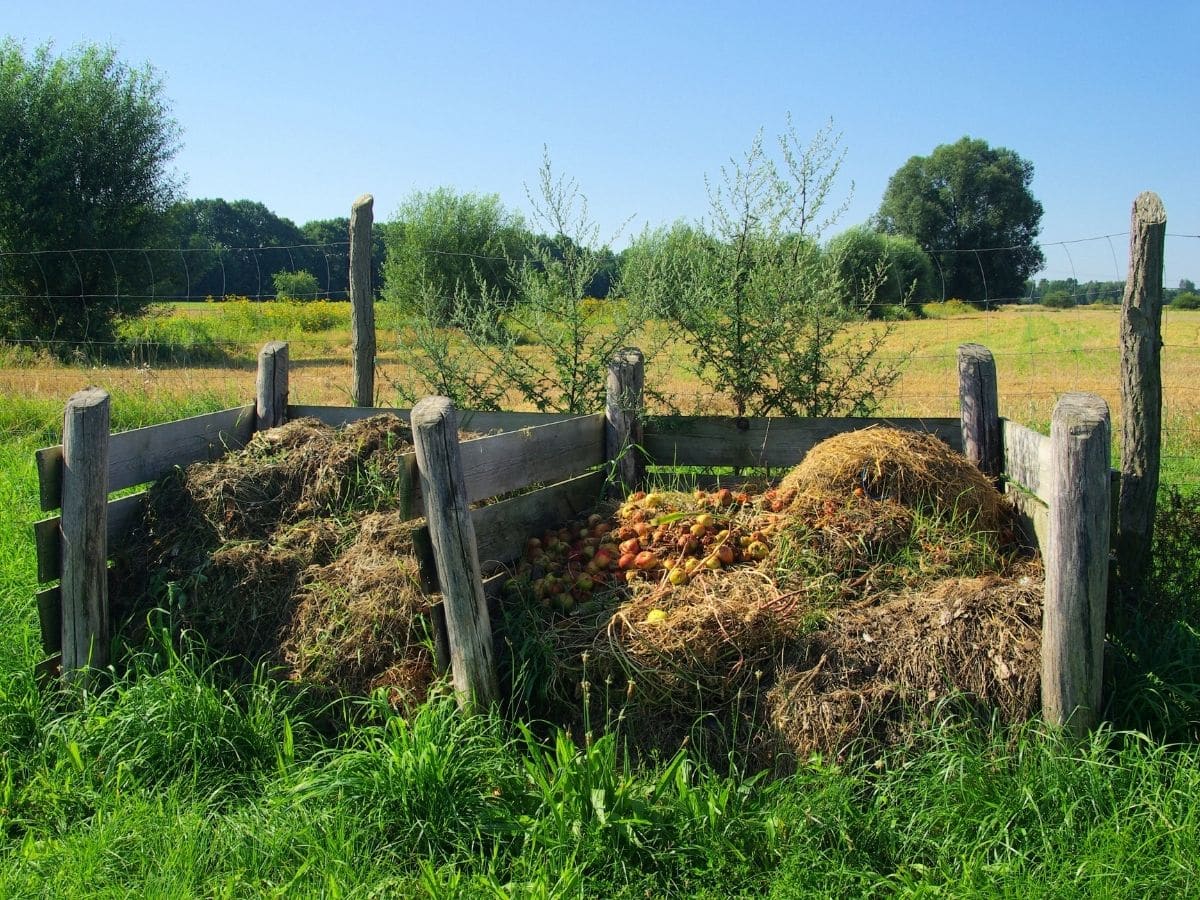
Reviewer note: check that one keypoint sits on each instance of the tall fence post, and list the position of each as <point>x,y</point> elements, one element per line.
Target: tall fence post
<point>84,587</point>
<point>1141,391</point>
<point>980,408</point>
<point>1077,562</point>
<point>362,301</point>
<point>455,552</point>
<point>272,386</point>
<point>623,422</point>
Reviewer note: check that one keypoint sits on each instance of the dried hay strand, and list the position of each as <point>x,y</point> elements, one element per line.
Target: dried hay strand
<point>694,647</point>
<point>272,554</point>
<point>361,622</point>
<point>912,468</point>
<point>871,671</point>
<point>296,471</point>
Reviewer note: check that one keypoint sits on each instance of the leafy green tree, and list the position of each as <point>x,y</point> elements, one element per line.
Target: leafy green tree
<point>299,285</point>
<point>1186,300</point>
<point>754,297</point>
<point>85,147</point>
<point>236,248</point>
<point>891,269</point>
<point>329,256</point>
<point>480,364</point>
<point>442,245</point>
<point>967,197</point>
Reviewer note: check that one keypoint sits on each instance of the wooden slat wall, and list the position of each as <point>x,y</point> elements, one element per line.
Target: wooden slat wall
<point>763,443</point>
<point>122,515</point>
<point>1026,458</point>
<point>143,454</point>
<point>468,420</point>
<point>544,454</point>
<point>502,529</point>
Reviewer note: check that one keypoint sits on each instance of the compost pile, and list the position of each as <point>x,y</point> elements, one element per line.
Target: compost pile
<point>880,580</point>
<point>296,552</point>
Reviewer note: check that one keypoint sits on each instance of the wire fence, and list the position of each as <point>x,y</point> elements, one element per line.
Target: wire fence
<point>212,348</point>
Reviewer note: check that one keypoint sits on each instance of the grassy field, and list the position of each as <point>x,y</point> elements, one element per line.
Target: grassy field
<point>174,782</point>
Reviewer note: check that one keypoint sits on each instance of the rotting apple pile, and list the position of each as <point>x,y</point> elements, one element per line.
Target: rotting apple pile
<point>652,539</point>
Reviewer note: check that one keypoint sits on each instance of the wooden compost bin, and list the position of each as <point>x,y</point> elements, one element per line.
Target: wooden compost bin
<point>1060,485</point>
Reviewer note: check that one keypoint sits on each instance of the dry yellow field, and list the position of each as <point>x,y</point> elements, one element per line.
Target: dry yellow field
<point>1040,354</point>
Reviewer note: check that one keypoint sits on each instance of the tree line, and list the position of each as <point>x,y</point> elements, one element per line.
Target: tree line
<point>86,143</point>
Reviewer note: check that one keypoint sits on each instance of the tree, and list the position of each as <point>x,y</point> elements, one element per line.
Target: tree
<point>970,207</point>
<point>890,268</point>
<point>753,296</point>
<point>329,257</point>
<point>299,285</point>
<point>236,248</point>
<point>85,145</point>
<point>548,300</point>
<point>441,245</point>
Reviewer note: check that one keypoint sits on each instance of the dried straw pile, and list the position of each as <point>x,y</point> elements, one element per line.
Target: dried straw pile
<point>870,672</point>
<point>275,554</point>
<point>912,468</point>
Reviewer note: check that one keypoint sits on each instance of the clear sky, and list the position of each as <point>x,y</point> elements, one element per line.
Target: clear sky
<point>303,106</point>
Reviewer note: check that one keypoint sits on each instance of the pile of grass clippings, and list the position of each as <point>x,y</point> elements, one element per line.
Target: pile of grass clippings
<point>295,551</point>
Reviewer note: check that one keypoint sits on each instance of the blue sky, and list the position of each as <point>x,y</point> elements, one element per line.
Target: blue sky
<point>303,106</point>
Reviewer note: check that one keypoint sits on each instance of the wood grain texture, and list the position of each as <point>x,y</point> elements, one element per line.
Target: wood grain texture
<point>979,403</point>
<point>144,454</point>
<point>623,409</point>
<point>1027,459</point>
<point>1077,563</point>
<point>1141,391</point>
<point>84,532</point>
<point>507,462</point>
<point>362,302</point>
<point>503,528</point>
<point>271,386</point>
<point>766,443</point>
<point>472,421</point>
<point>444,491</point>
<point>123,515</point>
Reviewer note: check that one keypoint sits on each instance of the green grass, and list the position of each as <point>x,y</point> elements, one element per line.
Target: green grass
<point>175,782</point>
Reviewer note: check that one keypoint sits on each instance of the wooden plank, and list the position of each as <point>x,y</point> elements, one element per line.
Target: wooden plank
<point>123,514</point>
<point>769,442</point>
<point>1026,458</point>
<point>503,528</point>
<point>1033,516</point>
<point>143,454</point>
<point>550,453</point>
<point>49,607</point>
<point>476,421</point>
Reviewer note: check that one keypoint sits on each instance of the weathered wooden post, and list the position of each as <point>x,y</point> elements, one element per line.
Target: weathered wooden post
<point>1141,391</point>
<point>272,386</point>
<point>362,301</point>
<point>980,408</point>
<point>1077,562</point>
<point>84,587</point>
<point>455,552</point>
<point>623,422</point>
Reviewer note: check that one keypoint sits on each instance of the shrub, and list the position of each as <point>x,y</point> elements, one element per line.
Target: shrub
<point>1186,300</point>
<point>1058,300</point>
<point>948,309</point>
<point>296,285</point>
